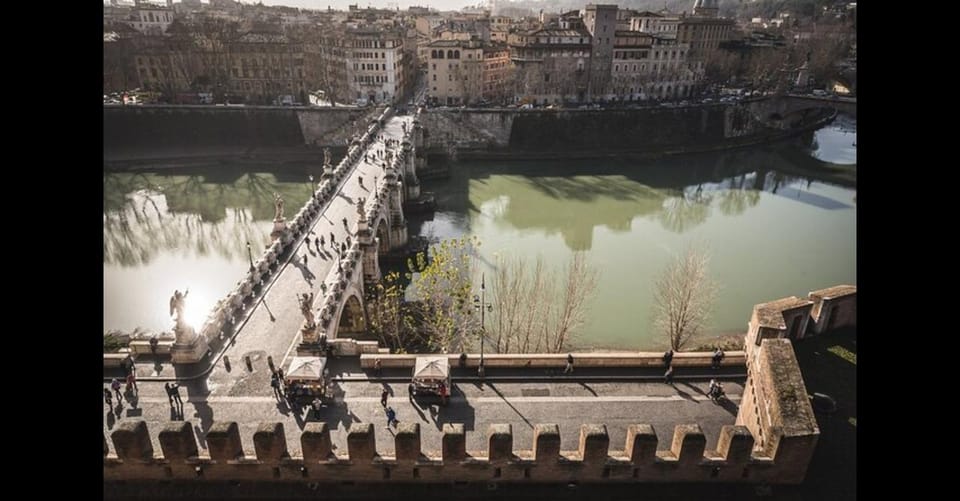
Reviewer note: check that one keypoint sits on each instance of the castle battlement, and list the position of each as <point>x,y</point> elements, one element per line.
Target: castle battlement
<point>734,459</point>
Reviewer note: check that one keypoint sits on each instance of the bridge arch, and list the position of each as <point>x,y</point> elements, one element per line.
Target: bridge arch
<point>383,235</point>
<point>351,322</point>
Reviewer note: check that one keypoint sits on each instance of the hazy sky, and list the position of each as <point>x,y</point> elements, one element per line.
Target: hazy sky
<point>342,4</point>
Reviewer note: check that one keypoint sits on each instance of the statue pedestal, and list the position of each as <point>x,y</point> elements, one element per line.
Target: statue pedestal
<point>309,334</point>
<point>189,348</point>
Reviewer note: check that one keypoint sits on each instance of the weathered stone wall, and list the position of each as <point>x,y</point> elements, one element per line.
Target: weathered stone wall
<point>467,133</point>
<point>593,458</point>
<point>182,130</point>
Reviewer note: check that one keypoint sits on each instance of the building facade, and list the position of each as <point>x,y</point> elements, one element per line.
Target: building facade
<point>601,22</point>
<point>375,65</point>
<point>552,66</point>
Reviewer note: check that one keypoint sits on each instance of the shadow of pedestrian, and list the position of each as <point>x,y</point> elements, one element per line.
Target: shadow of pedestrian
<point>588,388</point>
<point>111,420</point>
<point>729,406</point>
<point>495,390</point>
<point>132,399</point>
<point>685,394</point>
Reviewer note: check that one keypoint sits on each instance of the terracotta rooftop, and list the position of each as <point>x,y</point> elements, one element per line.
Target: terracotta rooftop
<point>771,314</point>
<point>834,292</point>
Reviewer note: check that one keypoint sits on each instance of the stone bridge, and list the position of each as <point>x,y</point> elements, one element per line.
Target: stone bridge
<point>358,211</point>
<point>381,228</point>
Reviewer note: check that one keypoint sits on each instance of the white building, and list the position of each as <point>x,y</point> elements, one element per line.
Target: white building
<point>151,19</point>
<point>375,61</point>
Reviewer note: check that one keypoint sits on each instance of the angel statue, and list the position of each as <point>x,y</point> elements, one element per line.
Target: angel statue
<point>306,307</point>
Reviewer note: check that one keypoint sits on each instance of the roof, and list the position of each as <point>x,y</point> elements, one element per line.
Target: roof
<point>432,367</point>
<point>771,314</point>
<point>834,292</point>
<point>262,37</point>
<point>306,367</point>
<point>647,13</point>
<point>546,32</point>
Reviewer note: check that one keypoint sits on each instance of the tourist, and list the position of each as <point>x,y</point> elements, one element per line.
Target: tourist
<point>343,247</point>
<point>307,240</point>
<point>173,392</point>
<point>377,367</point>
<point>132,381</point>
<point>668,357</point>
<point>275,384</point>
<point>115,385</point>
<point>717,357</point>
<point>383,397</point>
<point>391,416</point>
<point>668,376</point>
<point>442,390</point>
<point>318,242</point>
<point>108,398</point>
<point>333,239</point>
<point>360,179</point>
<point>345,223</point>
<point>569,368</point>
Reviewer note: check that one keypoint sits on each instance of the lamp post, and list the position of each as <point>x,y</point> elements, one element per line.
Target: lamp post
<point>250,255</point>
<point>313,190</point>
<point>480,304</point>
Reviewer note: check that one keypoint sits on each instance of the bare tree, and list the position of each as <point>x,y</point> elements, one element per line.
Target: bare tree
<point>683,297</point>
<point>536,312</point>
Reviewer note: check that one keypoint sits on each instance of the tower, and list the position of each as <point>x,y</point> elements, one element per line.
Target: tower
<point>706,8</point>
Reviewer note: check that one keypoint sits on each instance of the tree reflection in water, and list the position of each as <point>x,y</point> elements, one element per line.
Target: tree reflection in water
<point>146,215</point>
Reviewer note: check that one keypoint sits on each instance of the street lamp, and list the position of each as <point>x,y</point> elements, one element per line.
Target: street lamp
<point>250,256</point>
<point>313,189</point>
<point>480,304</point>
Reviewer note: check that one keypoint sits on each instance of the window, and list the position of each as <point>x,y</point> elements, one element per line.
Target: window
<point>434,66</point>
<point>434,78</point>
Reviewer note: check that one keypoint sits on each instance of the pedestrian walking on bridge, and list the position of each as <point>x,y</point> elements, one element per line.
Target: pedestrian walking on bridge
<point>391,417</point>
<point>569,368</point>
<point>383,397</point>
<point>668,376</point>
<point>115,386</point>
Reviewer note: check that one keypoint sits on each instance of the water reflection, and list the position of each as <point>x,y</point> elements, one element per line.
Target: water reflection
<point>773,229</point>
<point>149,214</point>
<point>164,231</point>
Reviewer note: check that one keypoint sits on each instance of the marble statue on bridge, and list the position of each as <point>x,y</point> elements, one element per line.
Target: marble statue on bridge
<point>306,308</point>
<point>177,304</point>
<point>326,157</point>
<point>278,202</point>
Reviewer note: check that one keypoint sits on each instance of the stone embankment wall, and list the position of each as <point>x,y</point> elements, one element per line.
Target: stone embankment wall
<point>179,131</point>
<point>492,133</point>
